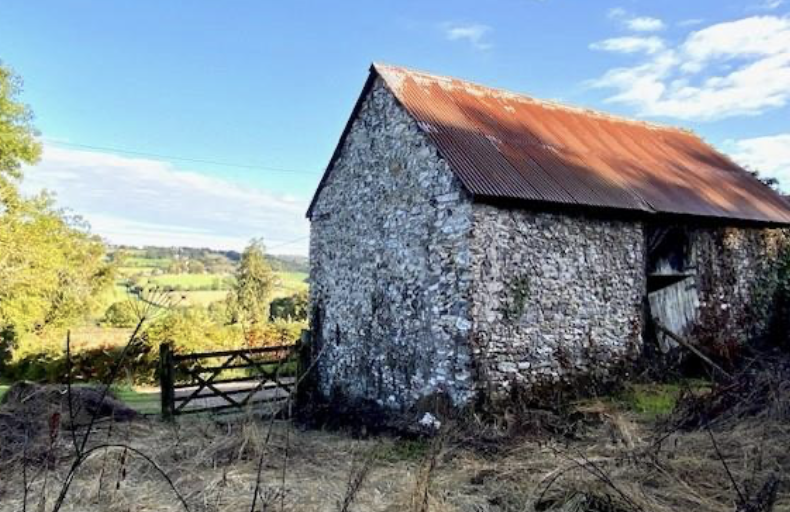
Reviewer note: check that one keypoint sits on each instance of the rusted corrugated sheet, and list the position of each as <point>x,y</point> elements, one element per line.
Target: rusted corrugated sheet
<point>504,145</point>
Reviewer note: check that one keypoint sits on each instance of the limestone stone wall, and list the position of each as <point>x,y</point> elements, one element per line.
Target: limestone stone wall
<point>390,279</point>
<point>738,275</point>
<point>417,290</point>
<point>555,297</point>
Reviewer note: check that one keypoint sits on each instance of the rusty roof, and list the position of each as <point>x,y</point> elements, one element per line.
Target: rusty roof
<point>504,145</point>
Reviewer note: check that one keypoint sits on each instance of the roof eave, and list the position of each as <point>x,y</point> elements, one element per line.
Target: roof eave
<point>617,213</point>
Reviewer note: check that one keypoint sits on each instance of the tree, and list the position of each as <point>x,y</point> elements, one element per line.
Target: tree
<point>248,300</point>
<point>177,266</point>
<point>52,270</point>
<point>121,314</point>
<point>196,267</point>
<point>292,308</point>
<point>18,143</point>
<point>769,182</point>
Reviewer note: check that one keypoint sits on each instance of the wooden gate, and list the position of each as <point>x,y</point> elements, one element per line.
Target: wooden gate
<point>217,381</point>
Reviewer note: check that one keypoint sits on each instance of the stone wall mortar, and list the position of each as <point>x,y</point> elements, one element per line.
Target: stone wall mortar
<point>390,272</point>
<point>738,277</point>
<point>556,297</point>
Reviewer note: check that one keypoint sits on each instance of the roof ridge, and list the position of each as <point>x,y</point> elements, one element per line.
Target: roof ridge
<point>382,66</point>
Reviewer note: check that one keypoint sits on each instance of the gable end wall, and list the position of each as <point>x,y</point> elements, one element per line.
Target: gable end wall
<point>389,252</point>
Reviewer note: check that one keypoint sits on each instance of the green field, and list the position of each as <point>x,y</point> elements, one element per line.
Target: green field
<point>142,262</point>
<point>202,297</point>
<point>293,280</point>
<point>290,283</point>
<point>187,281</point>
<point>194,289</point>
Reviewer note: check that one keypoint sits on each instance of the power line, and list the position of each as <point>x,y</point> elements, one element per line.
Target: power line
<point>185,158</point>
<point>288,242</point>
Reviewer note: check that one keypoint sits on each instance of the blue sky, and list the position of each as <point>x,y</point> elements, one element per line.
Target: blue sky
<point>268,86</point>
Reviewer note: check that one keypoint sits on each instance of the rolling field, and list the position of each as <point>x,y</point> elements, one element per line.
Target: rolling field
<point>290,283</point>
<point>141,262</point>
<point>187,281</point>
<point>192,289</point>
<point>195,287</point>
<point>202,297</point>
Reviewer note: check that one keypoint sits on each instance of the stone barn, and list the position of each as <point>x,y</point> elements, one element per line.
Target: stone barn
<point>469,242</point>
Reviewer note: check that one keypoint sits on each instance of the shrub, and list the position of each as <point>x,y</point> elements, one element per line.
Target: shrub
<point>278,332</point>
<point>290,308</point>
<point>189,330</point>
<point>42,357</point>
<point>120,314</point>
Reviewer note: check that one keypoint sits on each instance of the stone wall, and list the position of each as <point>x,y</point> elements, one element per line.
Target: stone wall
<point>390,280</point>
<point>417,290</point>
<point>556,297</point>
<point>738,272</point>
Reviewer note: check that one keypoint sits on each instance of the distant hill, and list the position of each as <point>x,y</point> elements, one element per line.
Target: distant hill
<point>288,263</point>
<point>216,261</point>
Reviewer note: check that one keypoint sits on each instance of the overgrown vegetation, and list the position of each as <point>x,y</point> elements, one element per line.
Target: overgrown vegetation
<point>653,401</point>
<point>51,268</point>
<point>518,292</point>
<point>782,325</point>
<point>56,277</point>
<point>735,460</point>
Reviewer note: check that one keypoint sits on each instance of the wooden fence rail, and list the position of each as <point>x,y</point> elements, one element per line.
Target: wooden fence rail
<point>217,381</point>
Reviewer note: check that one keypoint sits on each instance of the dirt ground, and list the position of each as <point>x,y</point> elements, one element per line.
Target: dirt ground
<point>606,459</point>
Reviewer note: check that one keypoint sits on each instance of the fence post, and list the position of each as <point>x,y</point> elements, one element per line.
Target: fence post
<point>166,390</point>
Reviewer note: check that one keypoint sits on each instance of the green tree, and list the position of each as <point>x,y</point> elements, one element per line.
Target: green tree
<point>120,314</point>
<point>248,300</point>
<point>18,143</point>
<point>52,270</point>
<point>196,267</point>
<point>177,266</point>
<point>292,308</point>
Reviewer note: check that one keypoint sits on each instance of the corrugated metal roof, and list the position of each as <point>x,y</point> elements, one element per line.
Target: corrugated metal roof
<point>509,146</point>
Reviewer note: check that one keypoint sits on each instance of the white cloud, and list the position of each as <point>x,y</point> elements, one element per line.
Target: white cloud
<point>616,13</point>
<point>473,33</point>
<point>769,155</point>
<point>691,22</point>
<point>635,23</point>
<point>142,201</point>
<point>647,45</point>
<point>727,69</point>
<point>768,5</point>
<point>645,24</point>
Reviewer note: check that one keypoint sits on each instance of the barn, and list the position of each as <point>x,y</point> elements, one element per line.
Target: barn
<point>469,242</point>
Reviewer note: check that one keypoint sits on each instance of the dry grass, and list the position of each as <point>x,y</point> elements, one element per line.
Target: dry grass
<point>616,465</point>
<point>717,453</point>
<point>213,465</point>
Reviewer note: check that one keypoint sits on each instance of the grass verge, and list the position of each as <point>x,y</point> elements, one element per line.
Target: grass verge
<point>142,400</point>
